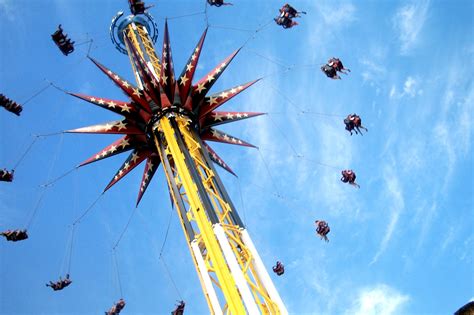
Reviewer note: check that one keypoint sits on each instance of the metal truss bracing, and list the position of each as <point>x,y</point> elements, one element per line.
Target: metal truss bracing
<point>138,35</point>
<point>232,275</point>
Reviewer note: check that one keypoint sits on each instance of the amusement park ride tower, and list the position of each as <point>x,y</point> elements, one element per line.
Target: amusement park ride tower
<point>167,121</point>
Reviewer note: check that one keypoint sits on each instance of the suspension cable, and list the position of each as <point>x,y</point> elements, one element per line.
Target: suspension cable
<point>166,234</point>
<point>118,273</point>
<point>283,134</point>
<point>70,249</point>
<point>45,135</point>
<point>36,94</point>
<point>182,16</point>
<point>170,277</point>
<point>301,156</point>
<point>52,182</point>
<point>242,201</point>
<point>66,261</point>
<point>231,28</point>
<point>35,210</point>
<point>206,17</point>
<point>25,153</point>
<point>35,138</point>
<point>269,59</point>
<point>88,209</point>
<point>268,171</point>
<point>124,229</point>
<point>255,33</point>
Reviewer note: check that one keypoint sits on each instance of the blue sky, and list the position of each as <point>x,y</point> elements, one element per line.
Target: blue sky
<point>402,244</point>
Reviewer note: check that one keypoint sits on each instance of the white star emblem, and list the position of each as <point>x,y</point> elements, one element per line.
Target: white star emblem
<point>189,67</point>
<point>113,149</point>
<point>121,125</point>
<point>116,77</point>
<point>134,157</point>
<point>218,117</point>
<point>224,94</point>
<point>212,100</point>
<point>136,92</point>
<point>126,166</point>
<point>111,104</point>
<point>125,108</point>
<point>184,78</point>
<point>210,78</point>
<point>108,127</point>
<point>124,143</point>
<point>201,87</point>
<point>125,84</point>
<point>100,102</point>
<point>149,165</point>
<point>229,116</point>
<point>93,99</point>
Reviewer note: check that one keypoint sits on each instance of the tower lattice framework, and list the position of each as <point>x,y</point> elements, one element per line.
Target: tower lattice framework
<point>168,121</point>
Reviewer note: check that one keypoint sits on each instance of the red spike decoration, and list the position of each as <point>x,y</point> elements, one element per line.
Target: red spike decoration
<point>157,94</point>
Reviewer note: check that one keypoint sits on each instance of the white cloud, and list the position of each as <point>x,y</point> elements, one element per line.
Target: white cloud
<point>410,89</point>
<point>337,15</point>
<point>373,68</point>
<point>395,193</point>
<point>378,300</point>
<point>7,10</point>
<point>393,92</point>
<point>408,22</point>
<point>453,130</point>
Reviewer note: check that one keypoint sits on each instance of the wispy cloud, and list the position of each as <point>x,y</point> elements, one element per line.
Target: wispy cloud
<point>6,10</point>
<point>395,195</point>
<point>379,300</point>
<point>338,15</point>
<point>410,88</point>
<point>372,70</point>
<point>374,64</point>
<point>453,131</point>
<point>408,22</point>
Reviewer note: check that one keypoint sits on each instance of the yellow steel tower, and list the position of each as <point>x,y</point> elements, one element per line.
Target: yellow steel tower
<point>168,121</point>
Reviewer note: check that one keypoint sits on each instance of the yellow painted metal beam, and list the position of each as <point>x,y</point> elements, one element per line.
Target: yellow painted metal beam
<point>216,256</point>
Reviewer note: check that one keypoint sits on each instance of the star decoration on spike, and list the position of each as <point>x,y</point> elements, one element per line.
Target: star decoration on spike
<point>158,92</point>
